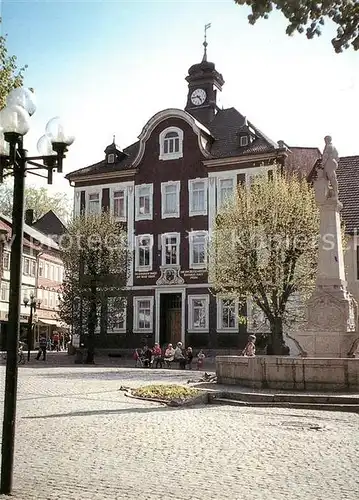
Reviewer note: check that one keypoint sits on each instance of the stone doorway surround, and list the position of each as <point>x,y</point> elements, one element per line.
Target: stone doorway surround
<point>173,290</point>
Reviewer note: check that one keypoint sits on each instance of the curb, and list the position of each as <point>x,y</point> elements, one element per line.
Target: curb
<point>287,398</point>
<point>352,408</point>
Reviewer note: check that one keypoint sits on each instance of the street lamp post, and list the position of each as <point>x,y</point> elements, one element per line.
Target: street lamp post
<point>34,304</point>
<point>14,124</point>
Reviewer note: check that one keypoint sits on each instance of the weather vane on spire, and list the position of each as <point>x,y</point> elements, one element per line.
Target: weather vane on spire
<point>206,27</point>
<point>113,139</point>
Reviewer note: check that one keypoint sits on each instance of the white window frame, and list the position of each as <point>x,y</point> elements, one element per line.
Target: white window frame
<point>111,158</point>
<point>195,265</point>
<point>26,266</point>
<point>245,142</point>
<point>46,298</point>
<point>250,176</point>
<point>138,238</point>
<point>6,261</point>
<point>88,194</point>
<point>191,182</point>
<point>169,215</point>
<point>138,215</point>
<point>178,248</point>
<point>220,327</point>
<point>191,327</point>
<point>220,201</point>
<point>112,202</point>
<point>4,292</point>
<point>136,301</point>
<point>175,155</point>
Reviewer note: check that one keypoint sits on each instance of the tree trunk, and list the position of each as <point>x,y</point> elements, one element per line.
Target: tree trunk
<point>91,328</point>
<point>275,347</point>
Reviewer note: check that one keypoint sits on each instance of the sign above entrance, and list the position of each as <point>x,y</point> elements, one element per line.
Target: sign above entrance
<point>194,274</point>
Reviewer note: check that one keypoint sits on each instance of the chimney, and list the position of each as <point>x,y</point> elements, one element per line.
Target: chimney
<point>29,217</point>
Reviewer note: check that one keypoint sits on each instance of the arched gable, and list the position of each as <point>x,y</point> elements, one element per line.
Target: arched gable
<point>199,129</point>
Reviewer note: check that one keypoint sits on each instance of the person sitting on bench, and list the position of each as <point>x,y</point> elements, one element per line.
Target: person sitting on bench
<point>169,355</point>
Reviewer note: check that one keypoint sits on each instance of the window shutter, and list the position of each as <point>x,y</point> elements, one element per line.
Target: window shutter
<point>270,175</point>
<point>241,179</point>
<point>105,199</point>
<point>82,202</point>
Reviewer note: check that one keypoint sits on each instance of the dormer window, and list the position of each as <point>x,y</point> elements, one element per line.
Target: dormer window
<point>111,158</point>
<point>171,144</point>
<point>243,141</point>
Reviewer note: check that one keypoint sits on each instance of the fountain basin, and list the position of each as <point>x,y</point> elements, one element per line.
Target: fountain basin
<point>289,373</point>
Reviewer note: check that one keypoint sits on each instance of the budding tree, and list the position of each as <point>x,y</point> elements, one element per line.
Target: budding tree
<point>94,253</point>
<point>10,75</point>
<point>264,247</point>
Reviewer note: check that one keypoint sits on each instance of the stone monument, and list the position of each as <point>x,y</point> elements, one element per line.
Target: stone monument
<point>329,337</point>
<point>331,327</point>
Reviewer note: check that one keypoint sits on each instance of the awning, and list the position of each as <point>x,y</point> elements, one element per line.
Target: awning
<point>48,322</point>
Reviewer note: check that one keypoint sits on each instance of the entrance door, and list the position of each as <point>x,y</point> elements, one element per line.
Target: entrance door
<point>170,318</point>
<point>174,325</point>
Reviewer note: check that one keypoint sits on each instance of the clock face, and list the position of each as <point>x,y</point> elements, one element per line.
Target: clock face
<point>198,97</point>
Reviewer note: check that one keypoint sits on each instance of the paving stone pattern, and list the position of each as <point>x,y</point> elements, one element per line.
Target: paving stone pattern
<point>79,437</point>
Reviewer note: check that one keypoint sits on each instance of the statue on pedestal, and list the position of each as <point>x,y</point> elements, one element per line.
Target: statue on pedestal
<point>330,164</point>
<point>321,186</point>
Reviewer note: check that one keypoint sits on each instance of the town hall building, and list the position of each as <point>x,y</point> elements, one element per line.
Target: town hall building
<point>166,189</point>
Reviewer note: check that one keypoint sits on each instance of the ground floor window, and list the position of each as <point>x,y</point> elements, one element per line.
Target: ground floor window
<point>227,314</point>
<point>143,314</point>
<point>198,306</point>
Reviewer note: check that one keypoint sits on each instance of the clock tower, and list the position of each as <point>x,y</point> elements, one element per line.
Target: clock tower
<point>203,83</point>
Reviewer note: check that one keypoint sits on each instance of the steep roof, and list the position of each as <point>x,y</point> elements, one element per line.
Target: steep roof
<point>29,232</point>
<point>50,223</point>
<point>300,160</point>
<point>224,130</point>
<point>103,166</point>
<point>348,180</point>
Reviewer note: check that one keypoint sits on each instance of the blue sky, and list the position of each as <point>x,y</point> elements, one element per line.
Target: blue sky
<point>106,67</point>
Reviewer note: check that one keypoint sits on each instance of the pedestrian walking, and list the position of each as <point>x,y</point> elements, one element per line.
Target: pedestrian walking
<point>56,340</point>
<point>42,348</point>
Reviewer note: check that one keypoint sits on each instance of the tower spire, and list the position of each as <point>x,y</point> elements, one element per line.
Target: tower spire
<point>205,44</point>
<point>113,139</point>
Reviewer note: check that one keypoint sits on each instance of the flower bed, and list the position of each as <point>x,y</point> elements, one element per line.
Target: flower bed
<point>168,393</point>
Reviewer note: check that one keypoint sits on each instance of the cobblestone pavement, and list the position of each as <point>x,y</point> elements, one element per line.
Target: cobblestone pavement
<point>79,437</point>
